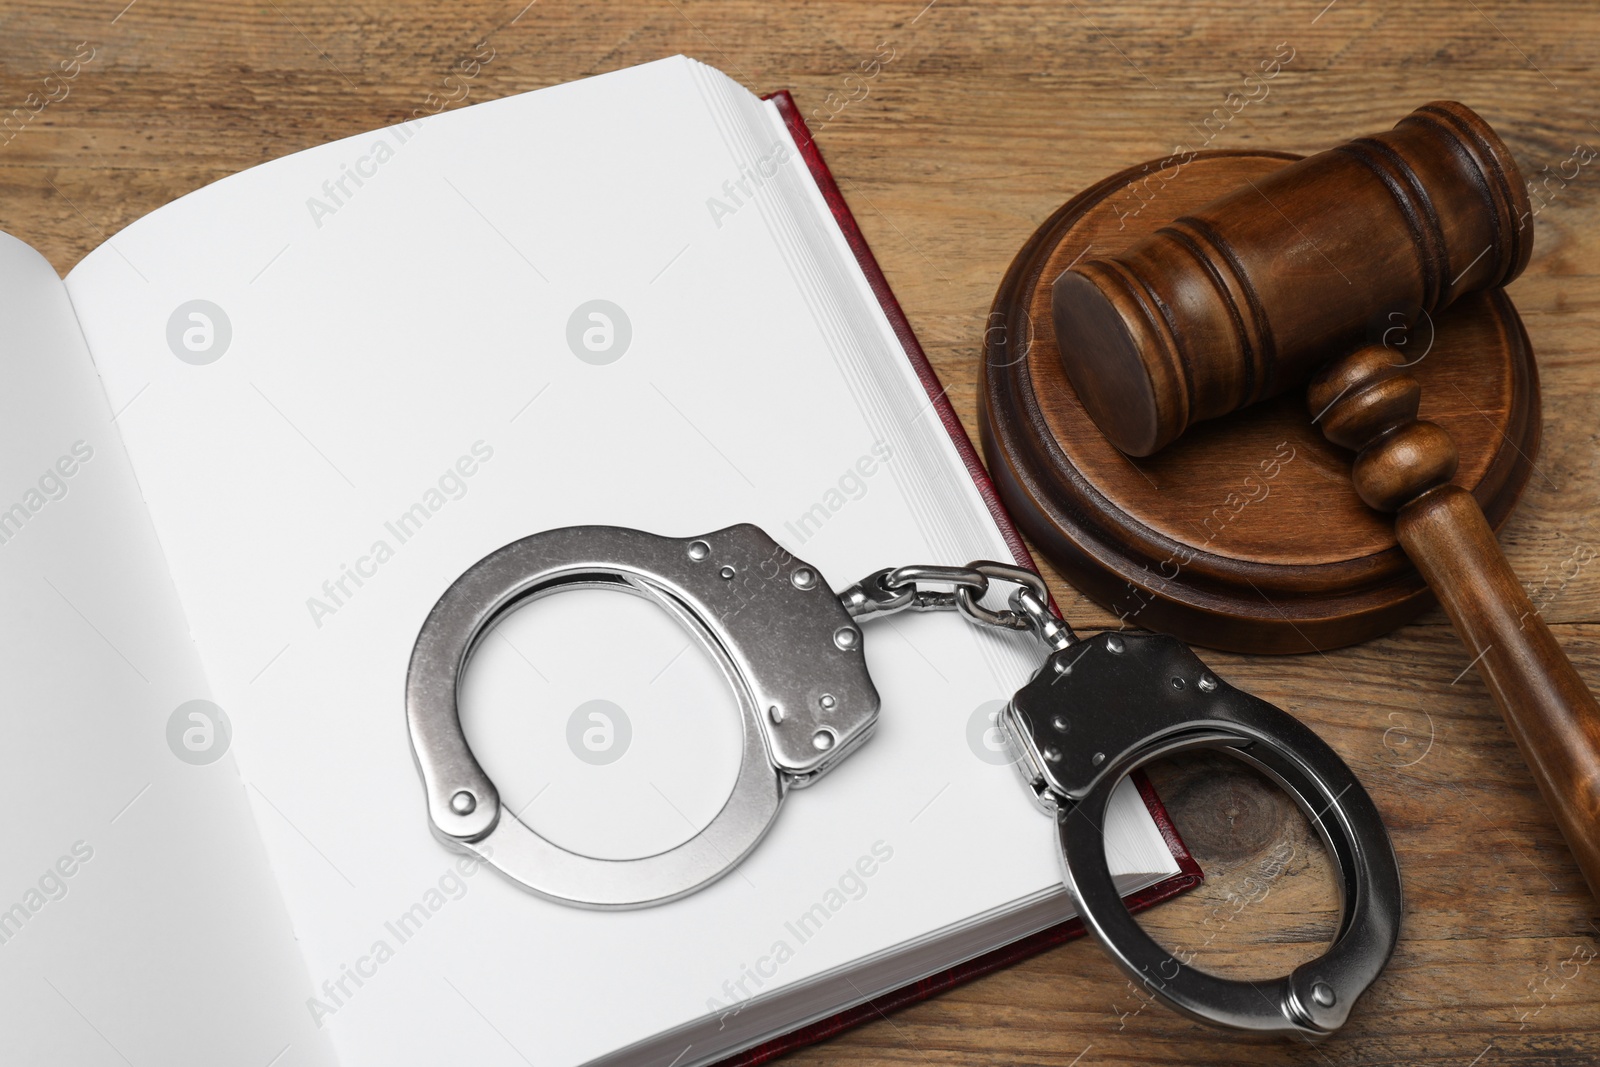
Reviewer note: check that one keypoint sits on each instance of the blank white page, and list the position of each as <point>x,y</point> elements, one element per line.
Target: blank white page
<point>420,344</point>
<point>139,921</point>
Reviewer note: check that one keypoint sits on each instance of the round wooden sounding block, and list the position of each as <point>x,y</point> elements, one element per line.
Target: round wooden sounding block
<point>1244,534</point>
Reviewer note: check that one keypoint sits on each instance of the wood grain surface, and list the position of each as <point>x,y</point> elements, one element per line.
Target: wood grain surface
<point>986,118</point>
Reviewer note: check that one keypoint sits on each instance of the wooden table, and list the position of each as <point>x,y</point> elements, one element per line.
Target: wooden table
<point>986,117</point>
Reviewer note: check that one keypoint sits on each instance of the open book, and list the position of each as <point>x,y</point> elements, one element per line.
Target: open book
<point>247,443</point>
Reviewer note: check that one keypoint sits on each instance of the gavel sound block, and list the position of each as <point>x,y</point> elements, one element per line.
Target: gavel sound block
<point>1245,533</point>
<point>1218,302</point>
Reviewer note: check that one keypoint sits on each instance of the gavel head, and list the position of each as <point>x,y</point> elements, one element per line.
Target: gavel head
<point>1244,298</point>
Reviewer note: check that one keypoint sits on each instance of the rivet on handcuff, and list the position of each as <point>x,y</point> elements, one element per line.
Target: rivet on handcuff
<point>791,651</point>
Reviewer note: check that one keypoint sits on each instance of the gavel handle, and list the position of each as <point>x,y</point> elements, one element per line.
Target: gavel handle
<point>1368,401</point>
<point>1550,712</point>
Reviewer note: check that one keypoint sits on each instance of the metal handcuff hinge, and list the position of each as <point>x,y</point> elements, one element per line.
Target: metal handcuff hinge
<point>791,651</point>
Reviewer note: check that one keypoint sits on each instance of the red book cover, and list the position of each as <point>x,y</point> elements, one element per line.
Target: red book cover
<point>1189,874</point>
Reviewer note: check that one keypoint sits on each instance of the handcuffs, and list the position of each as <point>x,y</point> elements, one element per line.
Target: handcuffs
<point>791,652</point>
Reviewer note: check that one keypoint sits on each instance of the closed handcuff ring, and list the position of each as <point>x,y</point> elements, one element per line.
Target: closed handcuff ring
<point>791,651</point>
<point>787,648</point>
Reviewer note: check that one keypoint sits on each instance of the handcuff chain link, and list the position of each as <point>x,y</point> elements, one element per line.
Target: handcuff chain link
<point>926,587</point>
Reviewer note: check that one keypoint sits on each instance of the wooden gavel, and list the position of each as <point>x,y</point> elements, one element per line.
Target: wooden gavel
<point>1277,283</point>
